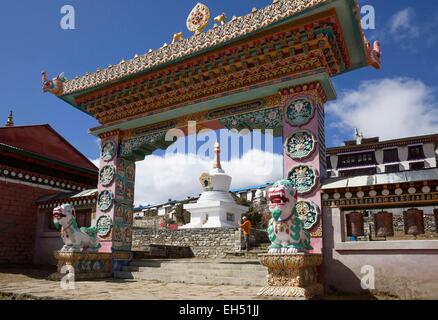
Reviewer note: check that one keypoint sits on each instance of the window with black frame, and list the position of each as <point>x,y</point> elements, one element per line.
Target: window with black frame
<point>50,225</point>
<point>416,165</point>
<point>416,153</point>
<point>390,156</point>
<point>392,168</point>
<point>83,218</point>
<point>357,160</point>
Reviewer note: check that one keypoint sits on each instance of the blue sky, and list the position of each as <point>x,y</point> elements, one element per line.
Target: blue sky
<point>111,30</point>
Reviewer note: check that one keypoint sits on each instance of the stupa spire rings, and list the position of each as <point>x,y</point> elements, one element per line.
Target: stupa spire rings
<point>217,156</point>
<point>198,18</point>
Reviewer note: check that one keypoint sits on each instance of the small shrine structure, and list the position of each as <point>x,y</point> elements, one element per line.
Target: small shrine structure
<point>216,208</point>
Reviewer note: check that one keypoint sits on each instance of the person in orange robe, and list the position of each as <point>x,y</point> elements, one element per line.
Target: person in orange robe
<point>246,227</point>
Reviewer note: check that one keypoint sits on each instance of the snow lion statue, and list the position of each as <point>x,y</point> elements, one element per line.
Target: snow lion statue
<point>75,239</point>
<point>286,229</point>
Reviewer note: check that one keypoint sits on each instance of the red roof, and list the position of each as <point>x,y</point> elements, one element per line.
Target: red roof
<point>44,141</point>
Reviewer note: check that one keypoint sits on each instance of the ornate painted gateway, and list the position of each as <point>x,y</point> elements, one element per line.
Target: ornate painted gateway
<point>269,69</point>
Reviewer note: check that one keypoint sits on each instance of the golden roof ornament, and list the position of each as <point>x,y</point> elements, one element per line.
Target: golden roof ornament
<point>177,37</point>
<point>198,19</point>
<point>221,19</point>
<point>10,121</point>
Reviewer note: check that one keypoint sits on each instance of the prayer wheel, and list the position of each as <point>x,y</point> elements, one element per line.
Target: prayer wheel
<point>435,213</point>
<point>383,222</point>
<point>355,224</point>
<point>414,222</point>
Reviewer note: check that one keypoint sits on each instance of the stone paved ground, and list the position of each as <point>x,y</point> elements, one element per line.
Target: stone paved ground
<point>19,282</point>
<point>33,281</point>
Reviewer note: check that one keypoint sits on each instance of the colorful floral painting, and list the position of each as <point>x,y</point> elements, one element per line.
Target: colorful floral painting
<point>105,200</point>
<point>104,225</point>
<point>299,112</point>
<point>300,145</point>
<point>304,178</point>
<point>308,212</point>
<point>106,175</point>
<point>109,150</point>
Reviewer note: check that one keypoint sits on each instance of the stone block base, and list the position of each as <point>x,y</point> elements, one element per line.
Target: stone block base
<point>85,265</point>
<point>292,275</point>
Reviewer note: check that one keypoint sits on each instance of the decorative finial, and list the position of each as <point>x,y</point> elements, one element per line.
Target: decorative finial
<point>221,19</point>
<point>359,136</point>
<point>198,19</point>
<point>217,156</point>
<point>374,53</point>
<point>10,121</point>
<point>177,37</point>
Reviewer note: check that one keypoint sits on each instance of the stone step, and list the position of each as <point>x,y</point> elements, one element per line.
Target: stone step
<point>199,271</point>
<point>193,279</point>
<point>253,254</point>
<point>245,265</point>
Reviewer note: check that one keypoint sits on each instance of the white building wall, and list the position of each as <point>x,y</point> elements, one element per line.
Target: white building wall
<point>429,152</point>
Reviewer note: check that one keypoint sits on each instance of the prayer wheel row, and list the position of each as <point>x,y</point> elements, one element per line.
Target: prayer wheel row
<point>383,221</point>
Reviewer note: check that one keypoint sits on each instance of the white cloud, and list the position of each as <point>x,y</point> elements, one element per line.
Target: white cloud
<point>402,27</point>
<point>159,178</point>
<point>388,108</point>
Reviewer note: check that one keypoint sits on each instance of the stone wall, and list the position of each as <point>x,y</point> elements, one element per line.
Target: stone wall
<point>257,236</point>
<point>429,223</point>
<point>203,242</point>
<point>148,222</point>
<point>155,251</point>
<point>18,218</point>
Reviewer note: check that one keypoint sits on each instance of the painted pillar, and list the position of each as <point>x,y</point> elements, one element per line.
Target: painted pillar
<point>305,152</point>
<point>114,212</point>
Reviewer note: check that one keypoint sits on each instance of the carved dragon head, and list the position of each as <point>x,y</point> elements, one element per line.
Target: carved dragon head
<point>55,86</point>
<point>63,215</point>
<point>282,198</point>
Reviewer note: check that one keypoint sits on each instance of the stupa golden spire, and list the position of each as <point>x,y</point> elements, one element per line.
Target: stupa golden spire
<point>217,157</point>
<point>10,121</point>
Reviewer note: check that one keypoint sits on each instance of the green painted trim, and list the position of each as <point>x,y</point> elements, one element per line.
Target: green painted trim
<point>253,94</point>
<point>40,157</point>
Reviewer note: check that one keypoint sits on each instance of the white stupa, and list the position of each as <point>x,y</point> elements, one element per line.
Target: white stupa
<point>216,207</point>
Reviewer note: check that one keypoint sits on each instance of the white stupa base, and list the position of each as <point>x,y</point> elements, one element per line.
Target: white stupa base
<point>214,214</point>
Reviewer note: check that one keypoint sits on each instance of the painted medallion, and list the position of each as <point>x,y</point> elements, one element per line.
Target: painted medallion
<point>104,225</point>
<point>300,145</point>
<point>304,178</point>
<point>199,18</point>
<point>309,213</point>
<point>106,175</point>
<point>105,200</point>
<point>299,112</point>
<point>108,151</point>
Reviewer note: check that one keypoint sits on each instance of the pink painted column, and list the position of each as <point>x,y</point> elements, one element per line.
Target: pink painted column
<point>114,212</point>
<point>304,151</point>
